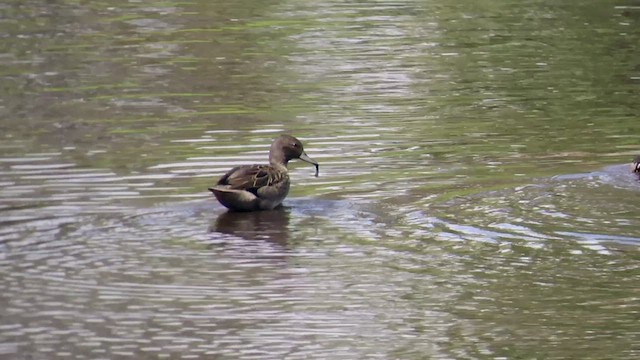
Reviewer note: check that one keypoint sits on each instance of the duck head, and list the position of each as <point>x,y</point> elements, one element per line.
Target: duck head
<point>287,147</point>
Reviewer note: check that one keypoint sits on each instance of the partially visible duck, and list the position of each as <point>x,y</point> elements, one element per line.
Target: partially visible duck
<point>261,187</point>
<point>635,166</point>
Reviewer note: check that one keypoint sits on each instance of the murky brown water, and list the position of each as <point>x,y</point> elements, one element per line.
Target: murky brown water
<point>474,198</point>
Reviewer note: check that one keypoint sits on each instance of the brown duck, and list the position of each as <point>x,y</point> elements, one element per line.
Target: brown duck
<point>261,187</point>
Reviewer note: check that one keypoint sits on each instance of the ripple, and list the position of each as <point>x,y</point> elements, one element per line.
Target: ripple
<point>542,214</point>
<point>120,274</point>
<point>42,166</point>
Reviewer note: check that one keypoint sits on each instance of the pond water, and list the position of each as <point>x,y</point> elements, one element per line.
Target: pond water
<point>474,198</point>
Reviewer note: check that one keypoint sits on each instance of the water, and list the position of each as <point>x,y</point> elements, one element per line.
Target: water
<point>474,198</point>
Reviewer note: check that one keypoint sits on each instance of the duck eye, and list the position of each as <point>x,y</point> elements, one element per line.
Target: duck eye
<point>295,145</point>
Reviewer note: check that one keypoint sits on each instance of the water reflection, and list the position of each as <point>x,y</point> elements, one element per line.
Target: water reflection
<point>258,225</point>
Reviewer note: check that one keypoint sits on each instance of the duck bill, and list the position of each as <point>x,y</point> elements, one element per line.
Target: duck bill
<point>304,157</point>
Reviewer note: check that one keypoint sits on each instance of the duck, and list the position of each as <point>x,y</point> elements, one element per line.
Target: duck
<point>261,187</point>
<point>635,165</point>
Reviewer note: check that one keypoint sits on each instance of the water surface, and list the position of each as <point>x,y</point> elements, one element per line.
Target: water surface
<point>474,198</point>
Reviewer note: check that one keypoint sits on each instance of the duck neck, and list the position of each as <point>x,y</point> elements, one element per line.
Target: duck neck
<point>278,159</point>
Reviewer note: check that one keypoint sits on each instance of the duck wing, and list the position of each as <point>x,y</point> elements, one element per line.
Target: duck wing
<point>251,177</point>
